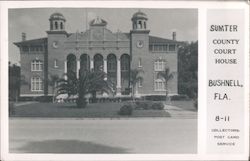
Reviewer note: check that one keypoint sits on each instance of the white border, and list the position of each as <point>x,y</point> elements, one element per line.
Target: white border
<point>124,4</point>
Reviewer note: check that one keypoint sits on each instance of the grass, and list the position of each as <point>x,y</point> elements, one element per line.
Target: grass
<point>67,110</point>
<point>185,105</point>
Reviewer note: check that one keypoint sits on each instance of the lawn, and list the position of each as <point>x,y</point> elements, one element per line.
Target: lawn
<point>185,105</point>
<point>95,110</point>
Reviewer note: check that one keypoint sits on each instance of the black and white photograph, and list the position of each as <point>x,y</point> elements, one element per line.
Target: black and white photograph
<point>103,80</point>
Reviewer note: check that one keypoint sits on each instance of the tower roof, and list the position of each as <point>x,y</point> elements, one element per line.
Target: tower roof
<point>57,16</point>
<point>98,22</point>
<point>139,15</point>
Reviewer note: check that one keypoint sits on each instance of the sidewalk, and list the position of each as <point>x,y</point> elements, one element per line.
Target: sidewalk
<point>177,112</point>
<point>23,103</point>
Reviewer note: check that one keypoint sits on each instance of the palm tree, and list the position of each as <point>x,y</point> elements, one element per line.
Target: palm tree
<point>52,82</point>
<point>134,79</point>
<point>166,75</point>
<point>89,82</point>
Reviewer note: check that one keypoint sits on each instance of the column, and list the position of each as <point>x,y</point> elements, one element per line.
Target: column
<point>78,68</point>
<point>91,64</point>
<point>65,69</point>
<point>105,68</point>
<point>118,87</point>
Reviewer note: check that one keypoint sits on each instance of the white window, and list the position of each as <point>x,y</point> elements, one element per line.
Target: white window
<point>139,63</point>
<point>55,63</point>
<point>36,65</point>
<point>159,65</point>
<point>160,85</point>
<point>36,84</point>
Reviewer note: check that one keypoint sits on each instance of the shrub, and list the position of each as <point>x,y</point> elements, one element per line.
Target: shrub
<point>158,106</point>
<point>146,105</point>
<point>26,99</point>
<point>44,98</point>
<point>179,97</point>
<point>155,98</point>
<point>143,105</point>
<point>126,110</point>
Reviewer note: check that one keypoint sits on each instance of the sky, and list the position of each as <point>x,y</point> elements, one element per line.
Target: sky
<point>161,22</point>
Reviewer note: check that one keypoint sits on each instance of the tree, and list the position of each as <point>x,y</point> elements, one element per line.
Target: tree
<point>134,79</point>
<point>166,75</point>
<point>89,82</point>
<point>188,69</point>
<point>53,83</point>
<point>14,81</point>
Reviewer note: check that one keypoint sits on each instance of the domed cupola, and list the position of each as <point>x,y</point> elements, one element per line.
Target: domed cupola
<point>57,22</point>
<point>98,22</point>
<point>139,20</point>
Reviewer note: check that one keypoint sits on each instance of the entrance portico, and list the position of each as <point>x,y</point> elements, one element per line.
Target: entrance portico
<point>117,69</point>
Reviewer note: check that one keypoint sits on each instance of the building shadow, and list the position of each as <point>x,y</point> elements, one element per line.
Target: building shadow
<point>67,146</point>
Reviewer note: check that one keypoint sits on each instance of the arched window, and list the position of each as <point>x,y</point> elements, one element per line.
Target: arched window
<point>159,65</point>
<point>111,62</point>
<point>36,65</point>
<point>159,85</point>
<point>112,68</point>
<point>125,62</point>
<point>61,25</point>
<point>84,62</point>
<point>56,25</point>
<point>98,62</point>
<point>36,84</point>
<point>125,69</point>
<point>139,24</point>
<point>71,64</point>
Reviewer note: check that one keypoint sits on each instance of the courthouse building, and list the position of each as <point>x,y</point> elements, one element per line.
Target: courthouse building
<point>98,48</point>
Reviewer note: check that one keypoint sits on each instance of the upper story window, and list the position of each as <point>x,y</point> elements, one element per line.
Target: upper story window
<point>159,65</point>
<point>158,47</point>
<point>25,48</point>
<point>36,84</point>
<point>172,47</point>
<point>36,65</point>
<point>36,48</point>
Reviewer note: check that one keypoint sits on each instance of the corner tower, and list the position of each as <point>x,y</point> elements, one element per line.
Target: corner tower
<point>57,36</point>
<point>139,21</point>
<point>57,22</point>
<point>139,39</point>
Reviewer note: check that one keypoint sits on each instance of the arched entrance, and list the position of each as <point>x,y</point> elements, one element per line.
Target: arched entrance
<point>98,62</point>
<point>71,65</point>
<point>125,69</point>
<point>84,62</point>
<point>112,68</point>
